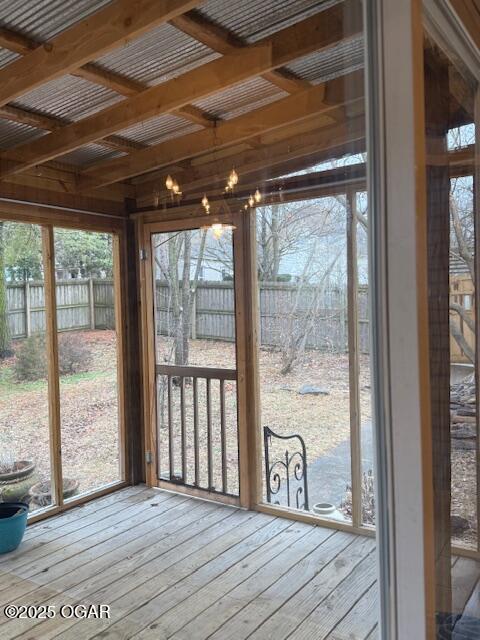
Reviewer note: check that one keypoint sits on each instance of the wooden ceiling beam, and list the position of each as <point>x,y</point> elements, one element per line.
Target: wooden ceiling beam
<point>17,42</point>
<point>317,100</point>
<point>320,184</point>
<point>105,78</point>
<point>295,152</point>
<point>223,41</point>
<point>279,187</point>
<point>115,25</point>
<point>51,123</point>
<point>22,45</point>
<point>300,39</point>
<point>209,33</point>
<point>196,115</point>
<point>293,139</point>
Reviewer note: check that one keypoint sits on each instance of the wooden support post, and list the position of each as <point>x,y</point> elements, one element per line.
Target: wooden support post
<point>125,441</point>
<point>53,369</point>
<point>248,390</point>
<point>354,368</point>
<point>438,250</point>
<point>91,302</point>
<point>129,316</point>
<point>28,310</point>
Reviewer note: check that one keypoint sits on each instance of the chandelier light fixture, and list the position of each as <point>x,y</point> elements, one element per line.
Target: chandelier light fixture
<point>232,180</point>
<point>218,229</point>
<point>173,186</point>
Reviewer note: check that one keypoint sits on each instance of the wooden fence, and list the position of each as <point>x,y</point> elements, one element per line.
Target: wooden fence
<point>462,292</point>
<point>89,304</point>
<point>81,304</point>
<point>282,307</point>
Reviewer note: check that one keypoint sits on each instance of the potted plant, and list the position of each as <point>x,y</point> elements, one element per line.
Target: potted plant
<point>41,492</point>
<point>16,478</point>
<point>13,521</point>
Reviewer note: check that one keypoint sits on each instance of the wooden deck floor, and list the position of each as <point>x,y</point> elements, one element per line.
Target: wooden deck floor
<point>174,567</point>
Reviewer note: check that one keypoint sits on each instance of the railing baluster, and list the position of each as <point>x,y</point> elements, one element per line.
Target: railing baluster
<point>195,431</point>
<point>209,436</point>
<point>170,429</point>
<point>216,439</point>
<point>183,429</point>
<point>223,436</point>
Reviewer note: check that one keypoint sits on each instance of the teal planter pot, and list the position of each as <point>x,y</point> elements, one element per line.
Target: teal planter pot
<point>13,522</point>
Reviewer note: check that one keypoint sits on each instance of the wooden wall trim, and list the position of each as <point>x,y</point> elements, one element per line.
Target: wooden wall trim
<point>38,214</point>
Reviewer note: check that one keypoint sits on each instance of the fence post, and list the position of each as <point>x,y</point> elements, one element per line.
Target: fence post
<point>28,310</point>
<point>91,301</point>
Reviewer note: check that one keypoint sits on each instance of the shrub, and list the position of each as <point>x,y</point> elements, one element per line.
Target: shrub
<point>31,359</point>
<point>74,355</point>
<point>30,363</point>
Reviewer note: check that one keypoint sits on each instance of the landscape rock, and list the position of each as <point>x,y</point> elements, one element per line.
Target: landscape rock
<point>309,389</point>
<point>459,524</point>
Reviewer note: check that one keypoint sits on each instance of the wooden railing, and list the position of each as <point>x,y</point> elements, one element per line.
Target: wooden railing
<point>219,476</point>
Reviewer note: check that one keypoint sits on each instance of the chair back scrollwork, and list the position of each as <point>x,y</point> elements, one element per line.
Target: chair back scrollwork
<point>286,476</point>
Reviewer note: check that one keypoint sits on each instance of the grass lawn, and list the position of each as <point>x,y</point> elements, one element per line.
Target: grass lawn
<point>88,413</point>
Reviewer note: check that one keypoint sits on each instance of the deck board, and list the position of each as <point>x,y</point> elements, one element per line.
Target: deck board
<point>176,567</point>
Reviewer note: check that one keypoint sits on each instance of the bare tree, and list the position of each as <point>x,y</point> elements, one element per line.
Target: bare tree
<point>175,262</point>
<point>308,233</point>
<point>301,323</point>
<point>461,250</point>
<point>283,229</point>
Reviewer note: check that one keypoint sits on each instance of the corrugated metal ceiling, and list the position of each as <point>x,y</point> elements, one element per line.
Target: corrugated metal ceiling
<point>15,133</point>
<point>7,56</point>
<point>68,97</point>
<point>159,55</point>
<point>89,154</point>
<point>158,129</point>
<point>335,61</point>
<point>241,98</point>
<point>43,19</point>
<point>254,19</point>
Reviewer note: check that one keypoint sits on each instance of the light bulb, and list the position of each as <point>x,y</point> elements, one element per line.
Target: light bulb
<point>251,201</point>
<point>207,208</point>
<point>217,230</point>
<point>205,201</point>
<point>257,196</point>
<point>169,182</point>
<point>246,206</point>
<point>233,178</point>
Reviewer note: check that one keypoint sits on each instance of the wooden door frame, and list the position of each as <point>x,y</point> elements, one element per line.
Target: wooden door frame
<point>245,346</point>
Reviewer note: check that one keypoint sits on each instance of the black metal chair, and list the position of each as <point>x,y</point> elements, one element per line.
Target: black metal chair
<point>291,469</point>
